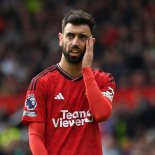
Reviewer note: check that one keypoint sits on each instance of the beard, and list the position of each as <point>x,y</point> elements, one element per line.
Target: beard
<point>73,59</point>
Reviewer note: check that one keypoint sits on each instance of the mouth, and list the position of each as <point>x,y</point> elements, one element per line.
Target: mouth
<point>75,52</point>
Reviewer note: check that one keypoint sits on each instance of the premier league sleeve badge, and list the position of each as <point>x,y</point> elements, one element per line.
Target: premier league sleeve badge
<point>30,102</point>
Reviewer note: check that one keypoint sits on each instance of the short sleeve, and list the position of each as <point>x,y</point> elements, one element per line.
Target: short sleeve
<point>35,103</point>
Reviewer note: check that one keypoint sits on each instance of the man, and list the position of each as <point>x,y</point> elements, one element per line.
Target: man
<point>65,102</point>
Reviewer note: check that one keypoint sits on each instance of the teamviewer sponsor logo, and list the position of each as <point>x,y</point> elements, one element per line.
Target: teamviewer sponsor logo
<point>68,119</point>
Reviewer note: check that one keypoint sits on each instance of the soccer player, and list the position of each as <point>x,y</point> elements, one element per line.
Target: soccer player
<point>65,102</point>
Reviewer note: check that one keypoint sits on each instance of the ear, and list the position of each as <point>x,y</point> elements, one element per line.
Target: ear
<point>94,40</point>
<point>60,36</point>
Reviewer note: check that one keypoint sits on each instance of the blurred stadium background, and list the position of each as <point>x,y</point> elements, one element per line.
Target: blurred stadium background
<point>125,46</point>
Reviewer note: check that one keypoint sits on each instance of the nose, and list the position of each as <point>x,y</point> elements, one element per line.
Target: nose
<point>75,41</point>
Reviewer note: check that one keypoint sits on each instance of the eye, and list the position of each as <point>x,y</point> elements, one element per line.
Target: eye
<point>83,37</point>
<point>70,35</point>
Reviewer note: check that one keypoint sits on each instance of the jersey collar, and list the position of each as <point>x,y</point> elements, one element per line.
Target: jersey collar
<point>66,75</point>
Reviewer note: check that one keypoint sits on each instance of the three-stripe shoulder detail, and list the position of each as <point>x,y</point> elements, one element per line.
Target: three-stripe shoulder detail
<point>111,79</point>
<point>33,82</point>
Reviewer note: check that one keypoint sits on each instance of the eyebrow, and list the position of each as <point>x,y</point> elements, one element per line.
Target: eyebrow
<point>81,34</point>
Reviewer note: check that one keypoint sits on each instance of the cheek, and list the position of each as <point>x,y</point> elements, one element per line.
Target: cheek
<point>84,48</point>
<point>66,45</point>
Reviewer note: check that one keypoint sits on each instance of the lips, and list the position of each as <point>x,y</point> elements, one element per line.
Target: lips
<point>75,52</point>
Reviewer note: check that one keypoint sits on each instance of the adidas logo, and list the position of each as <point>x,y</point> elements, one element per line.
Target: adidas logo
<point>59,97</point>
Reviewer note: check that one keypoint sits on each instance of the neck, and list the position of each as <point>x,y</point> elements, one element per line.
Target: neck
<point>73,70</point>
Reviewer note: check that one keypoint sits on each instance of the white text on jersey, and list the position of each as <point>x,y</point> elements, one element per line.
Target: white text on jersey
<point>69,119</point>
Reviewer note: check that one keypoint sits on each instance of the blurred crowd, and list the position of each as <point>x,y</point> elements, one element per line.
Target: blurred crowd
<point>125,46</point>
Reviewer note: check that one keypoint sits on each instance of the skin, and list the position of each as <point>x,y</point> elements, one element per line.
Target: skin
<point>76,41</point>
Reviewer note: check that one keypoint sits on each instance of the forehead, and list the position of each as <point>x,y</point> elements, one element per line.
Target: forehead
<point>84,29</point>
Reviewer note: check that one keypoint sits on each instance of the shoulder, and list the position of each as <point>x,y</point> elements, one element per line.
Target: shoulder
<point>103,77</point>
<point>98,73</point>
<point>43,77</point>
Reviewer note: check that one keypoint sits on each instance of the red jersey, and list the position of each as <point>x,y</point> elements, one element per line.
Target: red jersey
<point>59,101</point>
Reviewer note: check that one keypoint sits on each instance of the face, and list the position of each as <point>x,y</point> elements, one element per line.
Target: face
<point>73,42</point>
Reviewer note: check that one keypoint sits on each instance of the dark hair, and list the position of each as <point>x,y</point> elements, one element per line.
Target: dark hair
<point>78,17</point>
